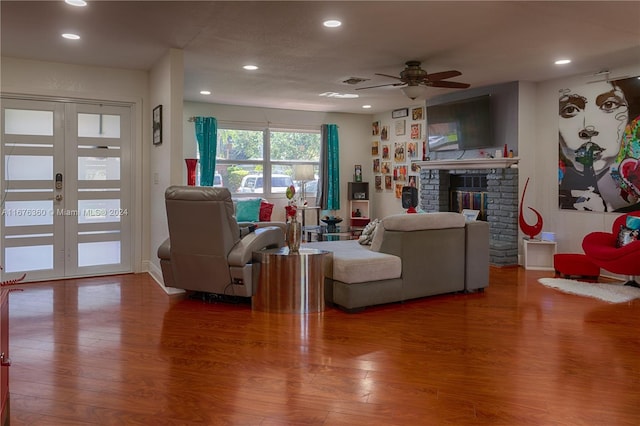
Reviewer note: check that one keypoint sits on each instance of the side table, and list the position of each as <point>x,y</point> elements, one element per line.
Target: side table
<point>289,282</point>
<point>303,211</point>
<point>538,254</point>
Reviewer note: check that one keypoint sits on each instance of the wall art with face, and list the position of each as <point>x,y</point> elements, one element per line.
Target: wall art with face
<point>599,148</point>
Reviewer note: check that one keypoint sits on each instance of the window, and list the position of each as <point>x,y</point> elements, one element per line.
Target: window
<point>251,161</point>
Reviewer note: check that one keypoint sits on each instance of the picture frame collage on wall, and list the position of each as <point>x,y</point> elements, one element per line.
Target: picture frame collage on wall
<point>394,155</point>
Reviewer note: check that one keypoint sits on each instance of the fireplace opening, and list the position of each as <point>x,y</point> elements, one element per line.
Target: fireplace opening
<point>468,191</point>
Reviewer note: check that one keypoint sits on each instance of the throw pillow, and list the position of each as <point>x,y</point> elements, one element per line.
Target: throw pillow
<point>248,210</point>
<point>367,233</point>
<point>633,222</point>
<point>627,236</point>
<point>266,209</point>
<point>378,235</point>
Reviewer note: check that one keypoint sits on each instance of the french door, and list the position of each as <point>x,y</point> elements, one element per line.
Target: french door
<point>65,182</point>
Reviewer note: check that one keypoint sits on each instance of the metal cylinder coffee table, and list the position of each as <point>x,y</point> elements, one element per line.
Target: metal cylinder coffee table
<point>289,282</point>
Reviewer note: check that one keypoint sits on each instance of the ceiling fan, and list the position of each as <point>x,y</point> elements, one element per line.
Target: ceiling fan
<point>415,79</point>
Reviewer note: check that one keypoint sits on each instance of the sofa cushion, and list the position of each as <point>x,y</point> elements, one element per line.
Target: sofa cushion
<point>354,263</point>
<point>248,209</point>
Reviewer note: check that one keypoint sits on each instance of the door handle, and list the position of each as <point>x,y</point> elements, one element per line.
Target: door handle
<point>4,361</point>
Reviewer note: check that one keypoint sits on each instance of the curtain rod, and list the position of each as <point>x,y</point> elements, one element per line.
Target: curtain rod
<point>263,123</point>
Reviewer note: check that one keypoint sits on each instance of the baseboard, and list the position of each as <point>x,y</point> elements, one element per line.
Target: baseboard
<point>156,274</point>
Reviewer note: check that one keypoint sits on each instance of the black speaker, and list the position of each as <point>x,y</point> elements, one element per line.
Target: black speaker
<point>409,197</point>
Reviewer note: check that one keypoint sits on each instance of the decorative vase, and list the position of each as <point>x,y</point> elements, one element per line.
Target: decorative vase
<point>191,170</point>
<point>294,235</point>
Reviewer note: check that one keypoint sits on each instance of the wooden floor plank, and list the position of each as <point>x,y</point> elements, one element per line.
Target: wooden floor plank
<point>118,350</point>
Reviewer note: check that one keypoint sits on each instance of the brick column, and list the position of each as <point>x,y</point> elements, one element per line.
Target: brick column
<point>502,215</point>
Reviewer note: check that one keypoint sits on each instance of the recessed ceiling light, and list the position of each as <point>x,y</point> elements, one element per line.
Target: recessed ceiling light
<point>332,23</point>
<point>205,92</point>
<point>70,36</point>
<point>250,67</point>
<point>563,61</point>
<point>78,3</point>
<point>366,106</point>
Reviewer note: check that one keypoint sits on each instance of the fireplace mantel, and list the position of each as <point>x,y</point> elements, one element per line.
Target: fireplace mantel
<point>468,163</point>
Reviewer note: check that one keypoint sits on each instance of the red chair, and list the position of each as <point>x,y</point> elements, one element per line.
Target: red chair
<point>601,248</point>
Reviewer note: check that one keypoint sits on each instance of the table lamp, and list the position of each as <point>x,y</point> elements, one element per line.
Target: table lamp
<point>303,173</point>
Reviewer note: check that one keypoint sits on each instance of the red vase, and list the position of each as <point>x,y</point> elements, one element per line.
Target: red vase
<point>191,170</point>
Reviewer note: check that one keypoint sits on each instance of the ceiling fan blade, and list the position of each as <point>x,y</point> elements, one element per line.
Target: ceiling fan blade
<point>437,76</point>
<point>380,85</point>
<point>390,76</point>
<point>448,84</point>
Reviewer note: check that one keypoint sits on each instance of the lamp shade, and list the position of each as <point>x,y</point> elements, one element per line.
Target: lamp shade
<point>414,92</point>
<point>303,172</point>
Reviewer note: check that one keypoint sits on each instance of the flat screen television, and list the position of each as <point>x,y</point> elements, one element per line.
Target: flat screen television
<point>460,125</point>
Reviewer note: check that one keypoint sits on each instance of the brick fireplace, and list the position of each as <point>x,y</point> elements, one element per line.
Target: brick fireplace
<point>501,199</point>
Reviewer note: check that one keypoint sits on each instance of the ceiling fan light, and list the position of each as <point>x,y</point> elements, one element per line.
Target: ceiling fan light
<point>414,92</point>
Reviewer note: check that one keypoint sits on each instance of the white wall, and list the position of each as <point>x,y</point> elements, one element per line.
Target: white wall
<point>57,80</point>
<point>166,160</point>
<point>353,132</point>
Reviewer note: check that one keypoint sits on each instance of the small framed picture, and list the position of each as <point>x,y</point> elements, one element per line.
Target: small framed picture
<point>358,172</point>
<point>416,131</point>
<point>387,182</point>
<point>375,128</point>
<point>384,135</point>
<point>399,152</point>
<point>412,150</point>
<point>385,152</point>
<point>378,180</point>
<point>399,113</point>
<point>157,125</point>
<point>400,127</point>
<point>374,148</point>
<point>417,113</point>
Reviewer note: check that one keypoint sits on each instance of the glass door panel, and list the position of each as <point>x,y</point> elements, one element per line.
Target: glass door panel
<point>32,148</point>
<point>99,237</point>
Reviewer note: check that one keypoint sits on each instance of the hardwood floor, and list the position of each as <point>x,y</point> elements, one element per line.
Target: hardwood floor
<point>117,350</point>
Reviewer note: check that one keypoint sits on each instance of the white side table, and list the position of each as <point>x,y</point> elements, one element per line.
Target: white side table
<point>538,254</point>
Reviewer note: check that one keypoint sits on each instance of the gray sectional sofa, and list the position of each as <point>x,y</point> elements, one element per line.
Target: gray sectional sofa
<point>411,256</point>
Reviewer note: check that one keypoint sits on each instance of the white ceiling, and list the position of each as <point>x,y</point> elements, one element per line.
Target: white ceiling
<point>489,42</point>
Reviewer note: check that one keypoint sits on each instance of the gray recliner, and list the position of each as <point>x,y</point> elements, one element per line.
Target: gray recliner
<point>206,250</point>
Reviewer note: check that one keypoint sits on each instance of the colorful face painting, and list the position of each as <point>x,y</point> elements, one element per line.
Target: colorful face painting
<point>599,151</point>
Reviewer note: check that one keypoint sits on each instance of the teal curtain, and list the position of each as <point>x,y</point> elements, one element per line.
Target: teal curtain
<point>330,166</point>
<point>207,137</point>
